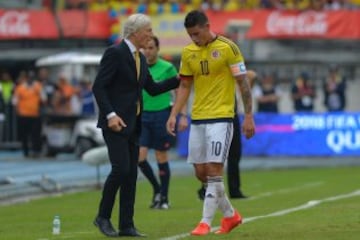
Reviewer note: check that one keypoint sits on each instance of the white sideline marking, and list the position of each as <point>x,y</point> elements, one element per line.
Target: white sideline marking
<point>285,190</point>
<point>309,204</point>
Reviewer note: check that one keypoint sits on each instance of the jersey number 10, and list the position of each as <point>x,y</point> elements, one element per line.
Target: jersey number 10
<point>215,148</point>
<point>204,67</point>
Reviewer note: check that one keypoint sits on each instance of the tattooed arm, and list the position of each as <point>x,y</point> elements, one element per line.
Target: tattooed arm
<point>245,93</point>
<point>248,126</point>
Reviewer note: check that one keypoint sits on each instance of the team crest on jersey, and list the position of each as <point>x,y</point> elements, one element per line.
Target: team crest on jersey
<point>215,54</point>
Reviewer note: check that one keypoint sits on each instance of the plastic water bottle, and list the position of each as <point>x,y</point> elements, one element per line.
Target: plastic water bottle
<point>56,225</point>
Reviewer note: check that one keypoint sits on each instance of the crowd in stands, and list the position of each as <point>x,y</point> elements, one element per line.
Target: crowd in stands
<point>62,97</point>
<point>153,7</point>
<point>28,99</point>
<point>303,93</point>
<point>74,97</point>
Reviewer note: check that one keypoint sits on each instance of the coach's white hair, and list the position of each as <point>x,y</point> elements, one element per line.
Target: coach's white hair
<point>134,23</point>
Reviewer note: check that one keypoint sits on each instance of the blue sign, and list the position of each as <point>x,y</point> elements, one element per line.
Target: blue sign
<point>300,134</point>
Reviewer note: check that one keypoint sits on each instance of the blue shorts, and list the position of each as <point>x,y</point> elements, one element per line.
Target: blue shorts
<point>153,130</point>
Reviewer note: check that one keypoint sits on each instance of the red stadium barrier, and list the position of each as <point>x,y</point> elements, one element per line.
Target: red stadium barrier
<point>85,24</point>
<point>308,24</point>
<point>32,24</point>
<point>21,24</point>
<point>267,24</point>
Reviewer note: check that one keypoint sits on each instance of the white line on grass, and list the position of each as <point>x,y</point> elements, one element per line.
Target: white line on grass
<point>286,190</point>
<point>309,204</point>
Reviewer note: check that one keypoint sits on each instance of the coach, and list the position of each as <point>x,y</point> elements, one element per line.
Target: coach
<point>122,76</point>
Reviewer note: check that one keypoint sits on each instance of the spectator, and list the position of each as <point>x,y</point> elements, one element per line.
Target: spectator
<point>76,4</point>
<point>28,96</point>
<point>317,5</point>
<point>303,93</point>
<point>99,5</point>
<point>334,90</point>
<point>86,98</point>
<point>48,87</point>
<point>267,94</point>
<point>2,102</point>
<point>7,85</point>
<point>339,4</point>
<point>271,4</point>
<point>62,98</point>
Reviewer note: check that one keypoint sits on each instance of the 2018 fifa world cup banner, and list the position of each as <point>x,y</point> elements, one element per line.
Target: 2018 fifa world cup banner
<point>307,134</point>
<point>300,134</point>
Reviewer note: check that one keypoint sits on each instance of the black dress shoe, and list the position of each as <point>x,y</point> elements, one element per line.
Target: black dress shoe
<point>130,232</point>
<point>105,227</point>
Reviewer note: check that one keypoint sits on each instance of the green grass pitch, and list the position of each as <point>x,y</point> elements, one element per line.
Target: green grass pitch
<point>278,209</point>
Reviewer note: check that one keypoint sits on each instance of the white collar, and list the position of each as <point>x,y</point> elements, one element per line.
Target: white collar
<point>130,45</point>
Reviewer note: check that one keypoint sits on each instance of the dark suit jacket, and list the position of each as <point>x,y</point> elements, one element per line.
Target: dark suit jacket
<point>117,89</point>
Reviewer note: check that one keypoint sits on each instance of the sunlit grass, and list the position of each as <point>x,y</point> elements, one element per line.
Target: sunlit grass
<point>270,191</point>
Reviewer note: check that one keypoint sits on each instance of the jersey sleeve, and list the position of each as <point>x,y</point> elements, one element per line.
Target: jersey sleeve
<point>236,60</point>
<point>185,70</point>
<point>172,71</point>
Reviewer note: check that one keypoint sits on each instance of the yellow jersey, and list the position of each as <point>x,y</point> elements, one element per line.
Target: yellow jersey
<point>213,68</point>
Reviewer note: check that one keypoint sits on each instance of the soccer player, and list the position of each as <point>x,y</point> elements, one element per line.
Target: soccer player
<point>212,65</point>
<point>235,153</point>
<point>153,126</point>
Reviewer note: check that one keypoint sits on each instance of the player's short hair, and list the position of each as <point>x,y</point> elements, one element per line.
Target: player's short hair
<point>156,41</point>
<point>194,18</point>
<point>134,23</point>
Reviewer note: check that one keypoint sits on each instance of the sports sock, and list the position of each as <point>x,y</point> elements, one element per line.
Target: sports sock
<point>164,175</point>
<point>148,172</point>
<point>210,202</point>
<point>224,203</point>
<point>201,191</point>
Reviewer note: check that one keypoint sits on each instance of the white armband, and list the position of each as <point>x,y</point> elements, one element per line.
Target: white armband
<point>238,69</point>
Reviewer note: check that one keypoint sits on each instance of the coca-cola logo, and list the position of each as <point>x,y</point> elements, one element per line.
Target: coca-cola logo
<point>13,23</point>
<point>306,23</point>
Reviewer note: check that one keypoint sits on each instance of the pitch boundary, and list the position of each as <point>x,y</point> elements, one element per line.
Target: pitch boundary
<point>309,204</point>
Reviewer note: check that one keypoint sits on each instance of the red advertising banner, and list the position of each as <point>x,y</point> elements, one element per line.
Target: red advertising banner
<point>307,24</point>
<point>220,20</point>
<point>18,24</point>
<point>263,24</point>
<point>296,25</point>
<point>84,24</point>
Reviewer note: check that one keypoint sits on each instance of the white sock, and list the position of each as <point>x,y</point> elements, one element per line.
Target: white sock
<point>211,201</point>
<point>224,203</point>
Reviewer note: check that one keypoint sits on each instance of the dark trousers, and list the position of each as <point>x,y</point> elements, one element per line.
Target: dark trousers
<point>29,129</point>
<point>123,155</point>
<point>235,151</point>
